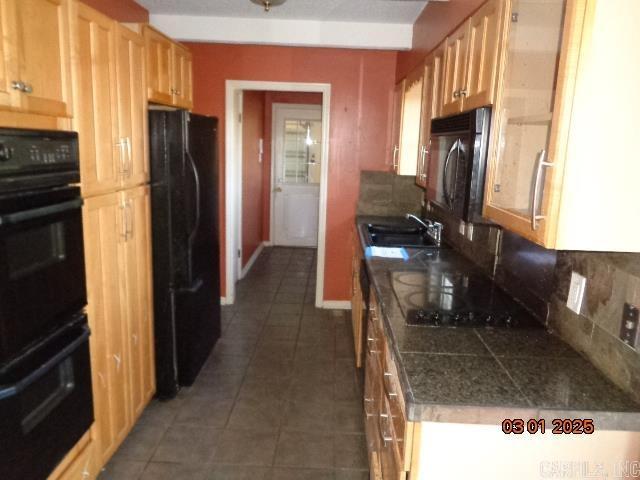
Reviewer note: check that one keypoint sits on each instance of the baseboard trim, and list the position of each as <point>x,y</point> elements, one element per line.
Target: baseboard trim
<point>252,260</point>
<point>336,304</point>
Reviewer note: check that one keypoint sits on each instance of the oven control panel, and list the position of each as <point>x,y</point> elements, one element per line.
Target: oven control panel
<point>36,158</point>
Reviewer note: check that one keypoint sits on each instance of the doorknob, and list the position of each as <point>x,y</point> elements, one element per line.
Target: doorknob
<point>277,189</point>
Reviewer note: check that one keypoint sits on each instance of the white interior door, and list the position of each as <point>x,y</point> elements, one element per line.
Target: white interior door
<point>297,140</point>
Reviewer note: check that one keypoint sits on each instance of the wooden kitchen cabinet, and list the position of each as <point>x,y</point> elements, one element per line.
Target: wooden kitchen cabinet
<point>471,60</point>
<point>358,308</point>
<point>559,169</point>
<point>431,106</point>
<point>110,111</point>
<point>182,75</point>
<point>117,252</point>
<point>35,76</point>
<point>104,221</point>
<point>169,70</point>
<point>132,106</point>
<point>396,125</point>
<point>407,113</point>
<point>80,463</point>
<point>138,306</point>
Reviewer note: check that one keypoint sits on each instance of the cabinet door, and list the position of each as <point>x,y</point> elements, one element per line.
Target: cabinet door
<point>159,67</point>
<point>410,131</point>
<point>42,49</point>
<point>138,301</point>
<point>94,80</point>
<point>519,160</point>
<point>9,97</point>
<point>482,65</point>
<point>356,301</point>
<point>398,98</point>
<point>104,238</point>
<point>455,70</point>
<point>132,106</point>
<point>425,123</point>
<point>182,77</point>
<point>438,80</point>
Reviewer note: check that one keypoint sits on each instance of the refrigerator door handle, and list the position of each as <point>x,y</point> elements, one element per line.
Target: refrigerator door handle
<point>196,177</point>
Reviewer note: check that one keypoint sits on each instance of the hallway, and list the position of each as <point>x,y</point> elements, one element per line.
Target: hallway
<point>278,399</point>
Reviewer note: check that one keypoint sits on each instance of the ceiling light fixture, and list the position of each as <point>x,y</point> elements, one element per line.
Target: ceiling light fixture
<point>267,4</point>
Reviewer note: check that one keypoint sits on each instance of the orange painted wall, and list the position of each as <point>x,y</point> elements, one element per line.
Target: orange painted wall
<point>271,98</point>
<point>359,136</point>
<point>252,172</point>
<point>121,10</point>
<point>435,22</point>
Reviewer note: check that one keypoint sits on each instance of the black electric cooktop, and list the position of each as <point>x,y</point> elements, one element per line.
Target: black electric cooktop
<point>441,297</point>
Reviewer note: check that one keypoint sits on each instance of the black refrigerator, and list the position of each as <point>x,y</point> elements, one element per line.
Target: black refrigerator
<point>186,258</point>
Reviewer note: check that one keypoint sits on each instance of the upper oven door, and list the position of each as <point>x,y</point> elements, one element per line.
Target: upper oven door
<point>42,277</point>
<point>449,164</point>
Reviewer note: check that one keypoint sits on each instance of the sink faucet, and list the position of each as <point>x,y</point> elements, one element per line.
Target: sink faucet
<point>434,229</point>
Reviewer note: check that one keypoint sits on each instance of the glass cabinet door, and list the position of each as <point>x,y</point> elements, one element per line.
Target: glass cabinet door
<point>523,120</point>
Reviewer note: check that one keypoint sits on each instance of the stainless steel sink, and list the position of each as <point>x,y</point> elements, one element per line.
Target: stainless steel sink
<point>399,236</point>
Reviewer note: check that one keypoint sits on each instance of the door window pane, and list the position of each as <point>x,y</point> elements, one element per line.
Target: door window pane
<point>302,151</point>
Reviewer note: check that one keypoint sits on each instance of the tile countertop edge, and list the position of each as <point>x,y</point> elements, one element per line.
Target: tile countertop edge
<point>476,414</point>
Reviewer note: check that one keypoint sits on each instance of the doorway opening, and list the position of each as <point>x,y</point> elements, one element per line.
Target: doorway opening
<point>276,173</point>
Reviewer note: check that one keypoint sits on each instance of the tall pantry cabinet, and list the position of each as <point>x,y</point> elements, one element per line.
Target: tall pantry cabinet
<point>110,115</point>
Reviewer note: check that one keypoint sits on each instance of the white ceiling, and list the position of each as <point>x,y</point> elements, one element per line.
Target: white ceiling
<point>361,11</point>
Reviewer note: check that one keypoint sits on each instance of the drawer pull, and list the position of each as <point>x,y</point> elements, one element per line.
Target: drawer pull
<point>387,380</point>
<point>384,436</point>
<point>366,413</point>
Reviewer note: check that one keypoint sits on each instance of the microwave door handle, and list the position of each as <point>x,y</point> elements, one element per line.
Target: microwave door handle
<point>19,217</point>
<point>16,388</point>
<point>452,190</point>
<point>445,189</point>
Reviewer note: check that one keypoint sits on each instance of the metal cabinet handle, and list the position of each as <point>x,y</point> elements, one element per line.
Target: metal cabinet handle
<point>366,413</point>
<point>535,201</point>
<point>456,94</point>
<point>130,219</point>
<point>28,88</point>
<point>135,339</point>
<point>383,436</point>
<point>129,156</point>
<point>387,377</point>
<point>121,147</point>
<point>123,212</point>
<point>463,93</point>
<point>396,149</point>
<point>18,85</point>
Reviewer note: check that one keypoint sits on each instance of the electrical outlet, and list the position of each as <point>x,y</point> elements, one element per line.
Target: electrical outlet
<point>576,292</point>
<point>470,232</point>
<point>629,328</point>
<point>462,228</point>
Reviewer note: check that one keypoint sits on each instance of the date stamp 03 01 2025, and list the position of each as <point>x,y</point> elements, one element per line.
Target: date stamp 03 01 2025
<point>560,426</point>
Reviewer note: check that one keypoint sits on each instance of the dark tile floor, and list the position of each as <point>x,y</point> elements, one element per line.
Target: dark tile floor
<point>279,398</point>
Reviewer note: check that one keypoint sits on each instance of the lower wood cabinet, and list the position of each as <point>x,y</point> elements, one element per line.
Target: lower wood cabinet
<point>358,309</point>
<point>117,252</point>
<point>80,463</point>
<point>389,435</point>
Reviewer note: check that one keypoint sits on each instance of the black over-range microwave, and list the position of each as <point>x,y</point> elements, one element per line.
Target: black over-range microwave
<point>457,163</point>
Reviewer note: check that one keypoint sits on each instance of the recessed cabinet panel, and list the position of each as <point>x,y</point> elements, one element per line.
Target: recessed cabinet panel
<point>455,70</point>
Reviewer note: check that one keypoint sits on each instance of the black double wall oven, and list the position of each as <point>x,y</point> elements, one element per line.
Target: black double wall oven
<point>45,380</point>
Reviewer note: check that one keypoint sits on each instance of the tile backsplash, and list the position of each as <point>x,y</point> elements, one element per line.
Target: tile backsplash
<point>540,278</point>
<point>385,193</point>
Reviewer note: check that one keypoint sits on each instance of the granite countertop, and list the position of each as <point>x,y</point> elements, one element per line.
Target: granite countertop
<point>482,376</point>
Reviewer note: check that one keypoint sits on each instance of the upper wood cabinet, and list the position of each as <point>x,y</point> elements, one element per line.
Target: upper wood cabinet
<point>471,55</point>
<point>407,111</point>
<point>131,106</point>
<point>182,74</point>
<point>560,169</point>
<point>169,70</point>
<point>110,103</point>
<point>35,75</point>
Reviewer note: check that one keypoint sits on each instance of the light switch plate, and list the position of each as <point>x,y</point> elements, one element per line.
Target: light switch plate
<point>576,292</point>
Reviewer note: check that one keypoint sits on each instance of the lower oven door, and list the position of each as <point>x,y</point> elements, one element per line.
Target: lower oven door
<point>42,274</point>
<point>46,404</point>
